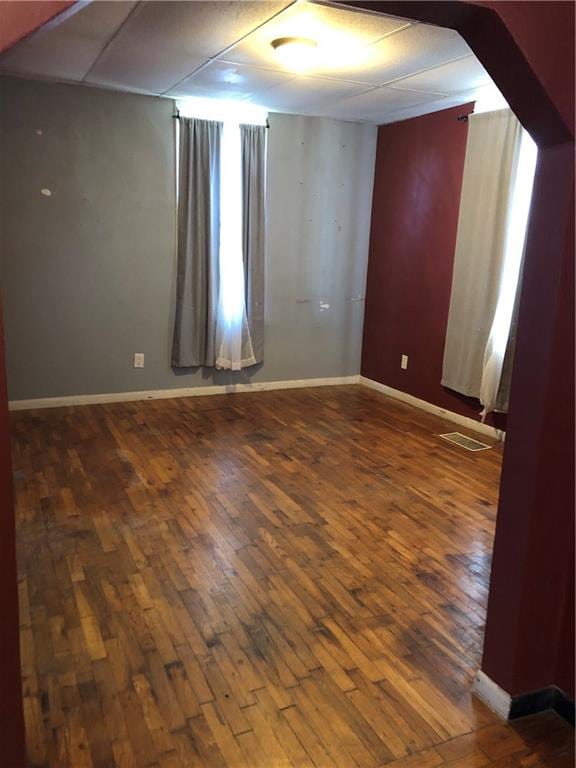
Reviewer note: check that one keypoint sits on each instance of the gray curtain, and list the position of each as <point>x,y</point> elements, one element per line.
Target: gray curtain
<point>198,243</point>
<point>253,139</point>
<point>489,170</point>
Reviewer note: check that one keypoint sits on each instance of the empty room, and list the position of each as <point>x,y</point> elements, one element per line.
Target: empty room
<point>286,384</point>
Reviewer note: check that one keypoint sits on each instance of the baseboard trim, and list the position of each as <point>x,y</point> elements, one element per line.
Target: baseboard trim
<point>260,386</point>
<point>541,700</point>
<point>165,394</point>
<point>463,421</point>
<point>492,695</point>
<point>513,707</point>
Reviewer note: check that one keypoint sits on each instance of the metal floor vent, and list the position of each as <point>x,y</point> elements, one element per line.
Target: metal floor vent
<point>465,442</point>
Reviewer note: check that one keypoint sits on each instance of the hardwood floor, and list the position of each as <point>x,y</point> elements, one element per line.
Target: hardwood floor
<point>292,578</point>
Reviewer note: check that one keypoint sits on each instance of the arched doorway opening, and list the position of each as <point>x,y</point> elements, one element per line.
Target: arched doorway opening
<point>529,627</point>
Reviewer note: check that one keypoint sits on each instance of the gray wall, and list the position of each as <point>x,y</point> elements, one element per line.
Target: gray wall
<point>88,273</point>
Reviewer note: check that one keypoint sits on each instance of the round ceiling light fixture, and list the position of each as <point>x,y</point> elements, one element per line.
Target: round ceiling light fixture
<point>296,53</point>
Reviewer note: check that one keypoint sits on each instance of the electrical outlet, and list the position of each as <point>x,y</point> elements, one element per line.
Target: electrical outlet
<point>138,360</point>
<point>404,362</point>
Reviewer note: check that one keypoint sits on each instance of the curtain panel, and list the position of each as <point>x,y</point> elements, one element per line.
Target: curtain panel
<point>197,285</point>
<point>253,138</point>
<point>490,168</point>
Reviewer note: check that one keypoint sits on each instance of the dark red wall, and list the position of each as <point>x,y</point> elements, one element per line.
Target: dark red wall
<point>11,718</point>
<point>529,633</point>
<point>530,628</point>
<point>417,184</point>
<point>559,422</point>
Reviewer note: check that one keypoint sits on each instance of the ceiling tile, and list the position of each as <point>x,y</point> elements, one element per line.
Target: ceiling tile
<point>411,50</point>
<point>373,105</point>
<point>462,75</point>
<point>66,51</point>
<point>306,95</point>
<point>220,79</point>
<point>129,66</point>
<point>342,35</point>
<point>163,42</point>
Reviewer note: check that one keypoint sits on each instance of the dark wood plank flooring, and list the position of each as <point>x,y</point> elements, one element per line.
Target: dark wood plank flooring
<point>292,578</point>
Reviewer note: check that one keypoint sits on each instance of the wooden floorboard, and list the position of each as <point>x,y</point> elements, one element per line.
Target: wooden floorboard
<point>292,578</point>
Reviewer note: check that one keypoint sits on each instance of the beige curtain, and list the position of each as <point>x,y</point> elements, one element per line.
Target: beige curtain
<point>490,168</point>
<point>499,353</point>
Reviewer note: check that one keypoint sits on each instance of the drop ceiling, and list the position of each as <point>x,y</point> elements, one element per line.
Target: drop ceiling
<point>378,68</point>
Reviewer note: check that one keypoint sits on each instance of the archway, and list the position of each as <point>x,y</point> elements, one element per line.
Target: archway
<point>528,642</point>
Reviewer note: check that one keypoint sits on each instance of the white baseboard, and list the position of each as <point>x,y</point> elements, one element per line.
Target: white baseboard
<point>492,695</point>
<point>463,421</point>
<point>164,394</point>
<point>259,386</point>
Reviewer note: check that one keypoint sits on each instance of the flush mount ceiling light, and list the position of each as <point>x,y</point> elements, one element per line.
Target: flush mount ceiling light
<point>296,53</point>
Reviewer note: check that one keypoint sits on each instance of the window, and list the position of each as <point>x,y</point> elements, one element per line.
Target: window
<point>221,235</point>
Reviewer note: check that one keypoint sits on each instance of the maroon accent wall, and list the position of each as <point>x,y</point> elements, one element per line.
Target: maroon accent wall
<point>544,627</point>
<point>417,185</point>
<point>528,49</point>
<point>529,631</point>
<point>11,718</point>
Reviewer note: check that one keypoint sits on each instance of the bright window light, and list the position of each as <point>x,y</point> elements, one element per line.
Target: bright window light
<point>222,111</point>
<point>515,241</point>
<point>231,262</point>
<point>489,99</point>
